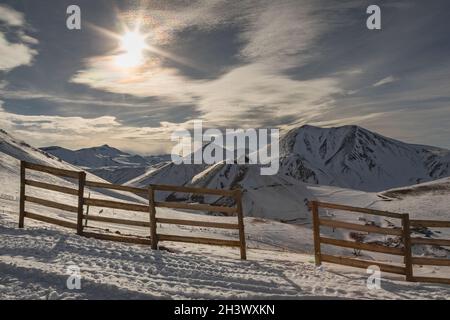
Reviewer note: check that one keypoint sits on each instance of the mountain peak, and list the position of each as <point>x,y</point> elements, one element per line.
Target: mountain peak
<point>353,157</point>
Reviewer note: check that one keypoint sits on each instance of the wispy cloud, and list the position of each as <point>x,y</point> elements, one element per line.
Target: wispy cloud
<point>277,36</point>
<point>384,81</point>
<point>78,132</point>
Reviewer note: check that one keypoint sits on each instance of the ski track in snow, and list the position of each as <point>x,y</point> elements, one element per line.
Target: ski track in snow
<point>33,264</point>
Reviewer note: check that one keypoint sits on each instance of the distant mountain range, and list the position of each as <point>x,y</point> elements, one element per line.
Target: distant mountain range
<point>107,162</point>
<point>347,157</point>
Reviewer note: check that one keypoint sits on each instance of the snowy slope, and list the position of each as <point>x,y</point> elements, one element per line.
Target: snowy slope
<point>119,175</point>
<point>356,158</point>
<point>12,150</point>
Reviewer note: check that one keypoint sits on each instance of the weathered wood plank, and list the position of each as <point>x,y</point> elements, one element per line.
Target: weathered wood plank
<point>57,222</point>
<point>362,246</point>
<point>199,240</point>
<point>359,227</point>
<point>115,205</point>
<point>102,185</point>
<point>220,192</point>
<point>152,217</point>
<point>102,236</point>
<point>81,182</point>
<point>436,242</point>
<point>48,186</point>
<point>117,221</point>
<point>240,214</point>
<point>22,195</point>
<point>360,210</point>
<point>430,223</point>
<point>432,280</point>
<point>197,223</point>
<point>431,261</point>
<point>51,204</point>
<point>362,263</point>
<point>316,233</point>
<point>51,170</point>
<point>195,206</point>
<point>407,244</point>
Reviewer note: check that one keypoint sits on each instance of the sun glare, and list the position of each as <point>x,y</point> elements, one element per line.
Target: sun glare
<point>133,44</point>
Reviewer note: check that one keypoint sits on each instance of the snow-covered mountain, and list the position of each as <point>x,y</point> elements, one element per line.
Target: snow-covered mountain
<point>107,162</point>
<point>347,157</point>
<point>356,158</point>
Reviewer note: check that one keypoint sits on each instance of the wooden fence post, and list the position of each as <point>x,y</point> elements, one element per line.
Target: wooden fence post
<point>22,195</point>
<point>87,212</point>
<point>238,198</point>
<point>316,231</point>
<point>81,183</point>
<point>407,245</point>
<point>152,211</point>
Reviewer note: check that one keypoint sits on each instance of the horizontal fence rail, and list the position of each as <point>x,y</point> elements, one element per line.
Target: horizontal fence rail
<point>149,208</point>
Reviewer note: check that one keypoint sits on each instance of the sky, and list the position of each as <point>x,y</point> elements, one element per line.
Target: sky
<point>231,64</point>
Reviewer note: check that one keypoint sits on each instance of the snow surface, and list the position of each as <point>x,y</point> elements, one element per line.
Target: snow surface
<point>34,262</point>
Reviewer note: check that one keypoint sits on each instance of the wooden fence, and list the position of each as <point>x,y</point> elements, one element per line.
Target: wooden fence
<point>150,209</point>
<point>403,232</point>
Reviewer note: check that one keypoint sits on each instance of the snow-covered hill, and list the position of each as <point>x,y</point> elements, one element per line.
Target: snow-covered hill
<point>107,162</point>
<point>12,150</point>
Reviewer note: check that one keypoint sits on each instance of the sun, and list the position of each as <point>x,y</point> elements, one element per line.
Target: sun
<point>133,44</point>
<point>133,41</point>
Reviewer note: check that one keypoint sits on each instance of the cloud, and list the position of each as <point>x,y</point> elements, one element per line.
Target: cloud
<point>15,54</point>
<point>221,101</point>
<point>78,132</point>
<point>11,17</point>
<point>384,81</point>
